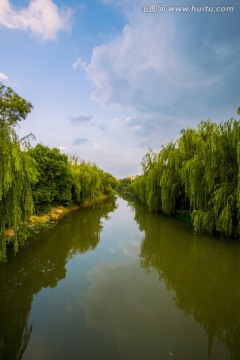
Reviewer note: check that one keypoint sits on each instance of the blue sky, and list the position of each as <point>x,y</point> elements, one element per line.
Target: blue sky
<point>110,79</point>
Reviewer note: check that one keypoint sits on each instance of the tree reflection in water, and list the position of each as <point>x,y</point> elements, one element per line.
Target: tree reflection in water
<point>203,272</point>
<point>42,265</point>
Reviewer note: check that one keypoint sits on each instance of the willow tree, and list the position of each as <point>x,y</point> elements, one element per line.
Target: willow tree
<point>218,154</point>
<point>171,188</point>
<point>86,180</point>
<point>138,187</point>
<point>199,173</point>
<point>89,181</point>
<point>16,170</point>
<point>160,185</point>
<point>152,168</point>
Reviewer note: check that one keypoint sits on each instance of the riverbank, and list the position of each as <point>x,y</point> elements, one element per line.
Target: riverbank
<point>41,222</point>
<point>37,223</point>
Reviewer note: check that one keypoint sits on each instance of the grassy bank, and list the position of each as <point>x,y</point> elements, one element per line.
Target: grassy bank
<point>41,222</point>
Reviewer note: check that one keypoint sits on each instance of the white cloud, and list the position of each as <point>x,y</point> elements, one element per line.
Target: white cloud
<point>78,63</point>
<point>162,63</point>
<point>42,18</point>
<point>3,76</point>
<point>138,67</point>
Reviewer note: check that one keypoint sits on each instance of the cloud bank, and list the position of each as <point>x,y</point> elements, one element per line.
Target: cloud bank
<point>169,64</point>
<point>42,18</point>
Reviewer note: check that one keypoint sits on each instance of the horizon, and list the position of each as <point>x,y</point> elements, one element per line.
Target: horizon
<point>110,79</point>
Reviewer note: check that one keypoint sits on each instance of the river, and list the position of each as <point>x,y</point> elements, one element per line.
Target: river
<point>115,282</point>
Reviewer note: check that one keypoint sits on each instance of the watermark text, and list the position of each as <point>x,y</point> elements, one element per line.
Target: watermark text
<point>160,8</point>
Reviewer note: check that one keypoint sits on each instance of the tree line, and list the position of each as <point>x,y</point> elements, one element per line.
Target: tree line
<point>34,179</point>
<point>199,175</point>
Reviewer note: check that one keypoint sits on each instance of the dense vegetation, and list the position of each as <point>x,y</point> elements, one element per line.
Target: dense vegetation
<point>198,174</point>
<point>17,171</point>
<point>89,181</point>
<point>53,185</point>
<point>34,179</point>
<point>124,186</point>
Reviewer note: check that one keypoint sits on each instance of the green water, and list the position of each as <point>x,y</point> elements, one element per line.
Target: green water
<point>114,282</point>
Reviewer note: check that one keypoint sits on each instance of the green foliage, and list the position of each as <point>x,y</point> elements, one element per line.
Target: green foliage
<point>108,183</point>
<point>53,186</point>
<point>170,179</point>
<point>89,181</point>
<point>138,187</point>
<point>199,173</point>
<point>13,108</point>
<point>37,178</point>
<point>124,183</point>
<point>17,171</point>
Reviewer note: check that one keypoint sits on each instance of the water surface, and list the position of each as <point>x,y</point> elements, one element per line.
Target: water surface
<point>115,282</point>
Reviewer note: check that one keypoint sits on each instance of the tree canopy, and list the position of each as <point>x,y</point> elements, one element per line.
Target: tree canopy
<point>13,108</point>
<point>199,173</point>
<point>53,185</point>
<point>17,170</point>
<point>89,181</point>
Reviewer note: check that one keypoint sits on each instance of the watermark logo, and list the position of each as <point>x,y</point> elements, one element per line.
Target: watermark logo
<point>154,8</point>
<point>161,8</point>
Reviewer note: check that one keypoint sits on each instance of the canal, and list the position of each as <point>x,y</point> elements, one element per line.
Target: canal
<point>115,282</point>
